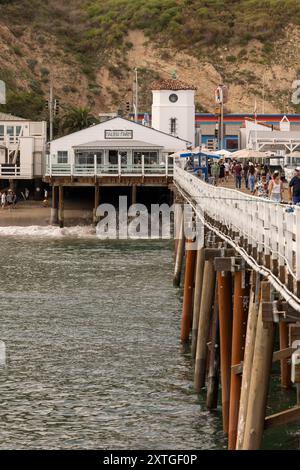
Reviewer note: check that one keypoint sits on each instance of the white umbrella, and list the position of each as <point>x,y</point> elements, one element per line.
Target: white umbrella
<point>296,153</point>
<point>223,153</point>
<point>248,153</point>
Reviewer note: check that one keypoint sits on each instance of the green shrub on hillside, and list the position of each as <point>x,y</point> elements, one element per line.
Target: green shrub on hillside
<point>24,104</point>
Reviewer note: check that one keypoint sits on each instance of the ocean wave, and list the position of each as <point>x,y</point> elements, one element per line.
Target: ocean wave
<point>49,231</point>
<point>77,231</point>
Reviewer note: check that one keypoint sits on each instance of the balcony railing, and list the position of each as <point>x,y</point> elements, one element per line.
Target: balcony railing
<point>120,169</point>
<point>14,171</point>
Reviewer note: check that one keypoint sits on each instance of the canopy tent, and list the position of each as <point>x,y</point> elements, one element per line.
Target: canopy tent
<point>201,154</point>
<point>209,155</point>
<point>294,154</point>
<point>248,154</point>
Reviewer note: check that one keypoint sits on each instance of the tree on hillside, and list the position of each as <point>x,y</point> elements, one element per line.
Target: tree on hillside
<point>77,118</point>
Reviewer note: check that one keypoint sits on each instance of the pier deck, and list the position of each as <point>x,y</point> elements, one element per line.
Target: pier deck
<point>239,287</point>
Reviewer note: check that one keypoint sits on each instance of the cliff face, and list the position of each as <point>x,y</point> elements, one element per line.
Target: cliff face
<point>90,53</point>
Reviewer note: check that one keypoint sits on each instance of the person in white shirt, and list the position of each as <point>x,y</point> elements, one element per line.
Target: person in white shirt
<point>227,168</point>
<point>275,188</point>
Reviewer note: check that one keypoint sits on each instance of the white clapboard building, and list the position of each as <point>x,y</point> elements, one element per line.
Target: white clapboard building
<point>22,147</point>
<point>121,146</point>
<point>116,146</point>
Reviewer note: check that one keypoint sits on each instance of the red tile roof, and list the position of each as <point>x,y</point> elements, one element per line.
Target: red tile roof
<point>172,84</point>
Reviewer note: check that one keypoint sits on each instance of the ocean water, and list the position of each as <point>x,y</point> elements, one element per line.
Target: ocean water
<point>93,357</point>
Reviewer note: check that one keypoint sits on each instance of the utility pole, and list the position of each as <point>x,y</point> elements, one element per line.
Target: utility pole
<point>221,97</point>
<point>222,126</point>
<point>136,95</point>
<point>263,93</point>
<point>51,111</point>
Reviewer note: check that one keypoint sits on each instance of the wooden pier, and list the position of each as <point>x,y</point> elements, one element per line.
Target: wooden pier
<point>241,292</point>
<point>98,181</point>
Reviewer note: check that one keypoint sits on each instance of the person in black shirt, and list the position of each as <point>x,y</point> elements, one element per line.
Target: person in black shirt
<point>294,188</point>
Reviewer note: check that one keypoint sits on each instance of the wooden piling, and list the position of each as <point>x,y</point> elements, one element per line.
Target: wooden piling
<point>96,203</point>
<point>259,384</point>
<point>61,206</point>
<point>179,253</point>
<point>224,283</point>
<point>207,299</point>
<point>54,206</point>
<point>248,356</point>
<point>214,359</point>
<point>133,194</point>
<point>237,353</point>
<point>197,298</point>
<point>187,309</point>
<point>285,368</point>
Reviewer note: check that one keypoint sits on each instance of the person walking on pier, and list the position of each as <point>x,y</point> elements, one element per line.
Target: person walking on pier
<point>261,187</point>
<point>294,188</point>
<point>276,188</point>
<point>215,173</point>
<point>245,174</point>
<point>222,172</point>
<point>227,169</point>
<point>251,178</point>
<point>238,175</point>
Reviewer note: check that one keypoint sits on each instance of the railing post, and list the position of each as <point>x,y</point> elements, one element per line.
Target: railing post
<point>95,165</point>
<point>119,164</point>
<point>143,165</point>
<point>297,251</point>
<point>167,164</point>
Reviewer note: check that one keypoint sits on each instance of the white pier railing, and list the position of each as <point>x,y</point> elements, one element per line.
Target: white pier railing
<point>272,228</point>
<point>120,169</point>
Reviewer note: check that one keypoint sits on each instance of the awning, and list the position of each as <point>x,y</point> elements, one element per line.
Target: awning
<point>114,144</point>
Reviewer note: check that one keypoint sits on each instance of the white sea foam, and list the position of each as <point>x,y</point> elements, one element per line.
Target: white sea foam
<point>50,231</point>
<point>37,231</point>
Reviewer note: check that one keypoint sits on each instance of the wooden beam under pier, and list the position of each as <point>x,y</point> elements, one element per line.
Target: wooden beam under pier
<point>283,417</point>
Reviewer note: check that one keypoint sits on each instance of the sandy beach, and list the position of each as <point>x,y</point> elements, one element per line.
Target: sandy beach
<point>29,213</point>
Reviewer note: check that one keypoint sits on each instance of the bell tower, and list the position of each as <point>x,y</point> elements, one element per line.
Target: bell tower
<point>173,108</point>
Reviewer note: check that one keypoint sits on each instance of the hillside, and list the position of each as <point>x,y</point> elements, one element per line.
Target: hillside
<point>90,48</point>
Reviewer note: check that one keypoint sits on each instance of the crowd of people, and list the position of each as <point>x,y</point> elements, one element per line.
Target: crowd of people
<point>9,198</point>
<point>257,179</point>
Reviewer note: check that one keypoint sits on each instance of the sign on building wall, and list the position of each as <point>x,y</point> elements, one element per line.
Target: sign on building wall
<point>118,134</point>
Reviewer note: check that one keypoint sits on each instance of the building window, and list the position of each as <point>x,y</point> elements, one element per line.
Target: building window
<point>232,144</point>
<point>150,158</point>
<point>18,131</point>
<point>62,156</point>
<point>11,133</point>
<point>173,126</point>
<point>1,132</point>
<point>88,158</point>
